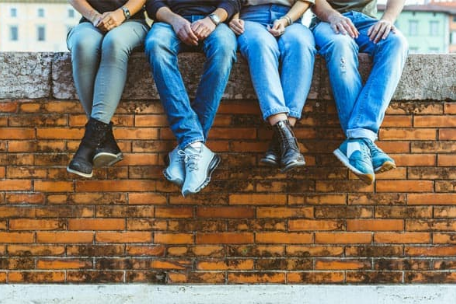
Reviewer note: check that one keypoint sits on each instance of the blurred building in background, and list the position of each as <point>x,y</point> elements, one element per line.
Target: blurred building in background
<point>35,25</point>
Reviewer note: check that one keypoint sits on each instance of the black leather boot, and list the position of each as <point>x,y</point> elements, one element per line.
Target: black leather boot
<point>109,152</point>
<point>272,155</point>
<point>290,157</point>
<point>82,162</point>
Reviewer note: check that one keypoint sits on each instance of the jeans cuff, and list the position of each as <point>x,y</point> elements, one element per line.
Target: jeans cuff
<point>275,111</point>
<point>190,141</point>
<point>361,133</point>
<point>295,114</point>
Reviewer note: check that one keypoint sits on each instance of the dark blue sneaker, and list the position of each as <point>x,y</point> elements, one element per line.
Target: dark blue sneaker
<point>175,172</point>
<point>356,156</point>
<point>380,160</point>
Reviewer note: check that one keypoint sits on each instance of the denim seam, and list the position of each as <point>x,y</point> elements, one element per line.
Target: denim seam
<point>274,111</point>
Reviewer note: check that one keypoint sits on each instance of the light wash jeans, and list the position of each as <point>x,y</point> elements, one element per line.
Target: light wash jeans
<point>190,121</point>
<point>281,68</point>
<point>100,63</point>
<point>361,107</point>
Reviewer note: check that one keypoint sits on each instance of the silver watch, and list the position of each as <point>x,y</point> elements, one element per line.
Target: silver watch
<point>126,12</point>
<point>215,19</point>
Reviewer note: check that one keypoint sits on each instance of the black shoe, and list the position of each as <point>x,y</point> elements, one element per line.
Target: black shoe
<point>290,157</point>
<point>109,152</point>
<point>82,162</point>
<point>272,155</point>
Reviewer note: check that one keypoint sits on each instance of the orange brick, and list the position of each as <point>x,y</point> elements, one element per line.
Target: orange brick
<point>96,224</point>
<point>315,277</point>
<point>197,277</point>
<point>26,198</point>
<point>414,160</point>
<point>224,238</point>
<point>150,250</point>
<point>342,238</point>
<point>447,134</point>
<point>283,238</point>
<point>123,237</point>
<point>225,265</point>
<point>15,185</point>
<point>446,160</point>
<point>50,264</point>
<point>170,265</point>
<point>35,250</point>
<point>440,121</point>
<point>17,133</point>
<point>375,225</point>
<point>404,238</point>
<point>342,265</point>
<point>315,225</point>
<point>169,238</point>
<point>26,224</point>
<point>151,121</point>
<point>161,212</point>
<point>320,199</point>
<point>147,198</point>
<point>255,278</point>
<point>444,238</point>
<point>408,134</point>
<point>16,237</point>
<point>64,237</point>
<point>281,212</point>
<point>225,212</point>
<point>258,199</point>
<point>48,186</point>
<point>432,199</point>
<point>444,251</point>
<point>115,186</point>
<point>405,186</point>
<point>36,277</point>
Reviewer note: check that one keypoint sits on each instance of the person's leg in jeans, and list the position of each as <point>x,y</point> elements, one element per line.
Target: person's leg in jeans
<point>100,87</point>
<point>193,168</point>
<point>389,56</point>
<point>341,55</point>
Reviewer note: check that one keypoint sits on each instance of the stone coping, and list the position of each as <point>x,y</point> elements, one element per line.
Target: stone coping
<point>48,75</point>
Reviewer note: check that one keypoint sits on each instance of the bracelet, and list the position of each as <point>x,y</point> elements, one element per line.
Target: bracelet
<point>286,17</point>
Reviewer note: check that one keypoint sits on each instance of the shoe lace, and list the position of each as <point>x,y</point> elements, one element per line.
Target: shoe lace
<point>366,149</point>
<point>181,156</point>
<point>191,160</point>
<point>374,150</point>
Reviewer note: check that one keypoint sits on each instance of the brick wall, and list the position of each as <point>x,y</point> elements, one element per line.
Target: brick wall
<point>319,224</point>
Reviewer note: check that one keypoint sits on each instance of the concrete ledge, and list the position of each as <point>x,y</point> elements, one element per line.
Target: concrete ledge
<point>41,75</point>
<point>239,294</point>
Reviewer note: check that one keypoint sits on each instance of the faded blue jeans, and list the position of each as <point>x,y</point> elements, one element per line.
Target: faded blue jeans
<point>100,63</point>
<point>190,121</point>
<point>361,107</point>
<point>281,68</point>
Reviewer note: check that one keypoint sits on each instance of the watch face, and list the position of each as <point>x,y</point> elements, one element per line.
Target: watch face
<point>215,18</point>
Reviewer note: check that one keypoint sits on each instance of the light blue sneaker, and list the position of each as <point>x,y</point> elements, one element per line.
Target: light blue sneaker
<point>199,165</point>
<point>175,172</point>
<point>381,161</point>
<point>356,156</point>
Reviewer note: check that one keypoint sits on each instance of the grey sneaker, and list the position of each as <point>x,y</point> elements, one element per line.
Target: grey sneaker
<point>175,172</point>
<point>199,165</point>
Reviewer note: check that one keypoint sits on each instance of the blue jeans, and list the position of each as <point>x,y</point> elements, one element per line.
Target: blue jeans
<point>100,63</point>
<point>190,121</point>
<point>281,68</point>
<point>361,108</point>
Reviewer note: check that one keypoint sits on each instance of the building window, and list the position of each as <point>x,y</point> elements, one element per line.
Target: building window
<point>433,50</point>
<point>41,12</point>
<point>71,13</point>
<point>454,18</point>
<point>453,38</point>
<point>41,33</point>
<point>14,33</point>
<point>433,28</point>
<point>413,50</point>
<point>413,27</point>
<point>13,12</point>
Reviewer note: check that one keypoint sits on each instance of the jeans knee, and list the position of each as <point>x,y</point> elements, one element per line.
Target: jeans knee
<point>115,47</point>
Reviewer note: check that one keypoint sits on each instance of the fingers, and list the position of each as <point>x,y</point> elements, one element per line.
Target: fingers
<point>187,36</point>
<point>380,31</point>
<point>277,29</point>
<point>237,26</point>
<point>202,28</point>
<point>344,26</point>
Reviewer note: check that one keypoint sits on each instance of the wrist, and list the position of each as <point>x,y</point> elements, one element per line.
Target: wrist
<point>287,20</point>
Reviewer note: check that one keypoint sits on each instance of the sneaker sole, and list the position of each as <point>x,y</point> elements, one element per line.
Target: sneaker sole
<point>212,166</point>
<point>366,178</point>
<point>269,162</point>
<point>386,166</point>
<point>292,166</point>
<point>168,177</point>
<point>104,159</point>
<point>86,175</point>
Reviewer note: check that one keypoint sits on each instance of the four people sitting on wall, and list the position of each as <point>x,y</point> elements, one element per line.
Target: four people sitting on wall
<point>280,52</point>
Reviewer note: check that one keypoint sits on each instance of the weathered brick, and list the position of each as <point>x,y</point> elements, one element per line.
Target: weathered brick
<point>123,237</point>
<point>283,238</point>
<point>315,277</point>
<point>375,225</point>
<point>402,238</point>
<point>342,238</point>
<point>224,238</point>
<point>256,277</point>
